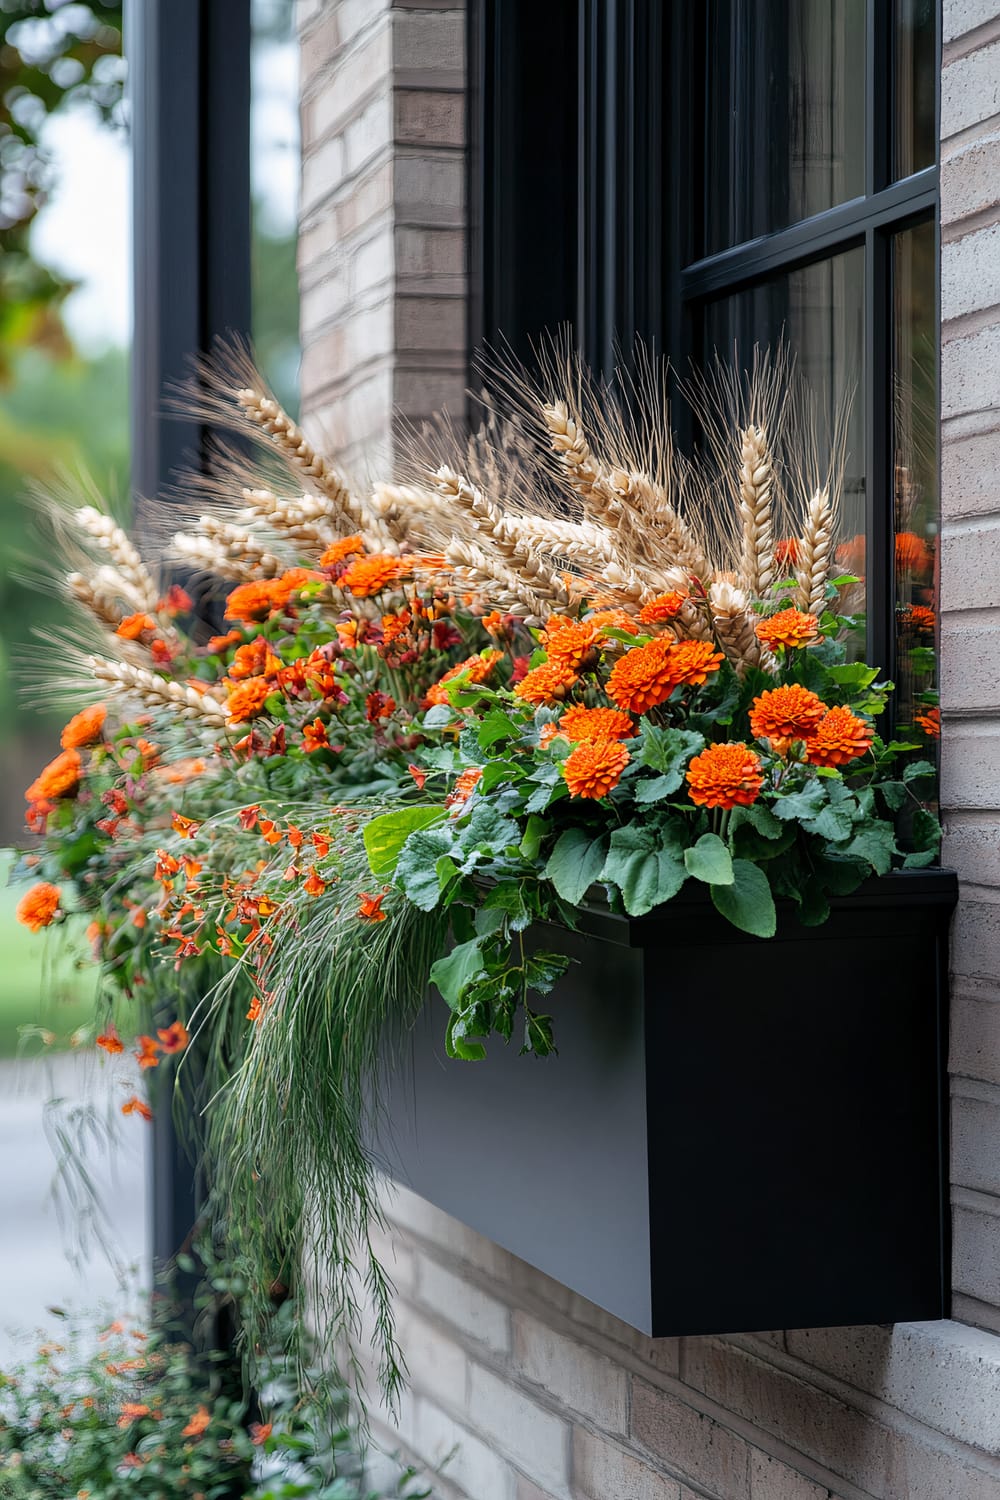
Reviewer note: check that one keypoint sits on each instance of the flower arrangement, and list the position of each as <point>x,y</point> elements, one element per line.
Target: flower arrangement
<point>556,662</point>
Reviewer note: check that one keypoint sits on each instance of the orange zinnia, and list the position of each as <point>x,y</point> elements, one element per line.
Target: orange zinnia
<point>614,619</point>
<point>784,714</point>
<point>725,776</point>
<point>109,1041</point>
<point>196,1426</point>
<point>137,1106</point>
<point>37,908</point>
<point>477,668</point>
<point>370,575</point>
<point>60,778</point>
<point>594,768</point>
<point>839,737</point>
<point>247,699</point>
<point>464,787</point>
<point>550,683</point>
<point>348,546</point>
<point>595,724</point>
<point>254,601</point>
<point>173,1038</point>
<point>255,659</point>
<point>661,609</point>
<point>692,661</point>
<point>648,674</point>
<point>789,628</point>
<point>576,645</point>
<point>84,728</point>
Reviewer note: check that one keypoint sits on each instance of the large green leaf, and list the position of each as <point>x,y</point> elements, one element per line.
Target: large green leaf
<point>876,844</point>
<point>709,860</point>
<point>385,836</point>
<point>576,862</point>
<point>453,973</point>
<point>417,866</point>
<point>668,752</point>
<point>748,902</point>
<point>647,866</point>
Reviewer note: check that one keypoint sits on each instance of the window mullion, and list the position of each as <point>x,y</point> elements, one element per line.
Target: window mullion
<point>879,520</point>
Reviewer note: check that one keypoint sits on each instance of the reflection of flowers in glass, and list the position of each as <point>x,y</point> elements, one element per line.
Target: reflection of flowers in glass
<point>917,617</point>
<point>594,768</point>
<point>851,555</point>
<point>784,714</point>
<point>839,737</point>
<point>913,556</point>
<point>725,776</point>
<point>790,628</point>
<point>930,722</point>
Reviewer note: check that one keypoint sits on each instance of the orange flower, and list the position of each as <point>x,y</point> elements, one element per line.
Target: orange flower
<point>786,552</point>
<point>109,1041</point>
<point>315,737</point>
<point>839,737</point>
<point>255,601</point>
<point>370,575</point>
<point>615,619</point>
<point>260,1432</point>
<point>173,1038</point>
<point>247,699</point>
<point>219,643</point>
<point>576,645</point>
<point>256,1009</point>
<point>133,626</point>
<point>84,728</point>
<point>464,787</point>
<point>929,722</point>
<point>185,827</point>
<point>594,768</point>
<point>181,771</point>
<point>476,670</point>
<point>348,546</point>
<point>547,734</point>
<point>725,776</point>
<point>379,706</point>
<point>314,884</point>
<point>60,778</point>
<point>784,714</point>
<point>256,659</point>
<point>37,908</point>
<point>789,628</point>
<point>146,1056</point>
<point>647,675</point>
<point>913,554</point>
<point>550,683</point>
<point>370,907</point>
<point>132,1411</point>
<point>851,555</point>
<point>595,724</point>
<point>201,1419</point>
<point>136,1106</point>
<point>917,617</point>
<point>661,609</point>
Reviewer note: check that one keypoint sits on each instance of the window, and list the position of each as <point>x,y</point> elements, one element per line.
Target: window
<point>738,170</point>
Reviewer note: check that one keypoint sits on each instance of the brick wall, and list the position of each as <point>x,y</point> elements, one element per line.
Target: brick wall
<point>537,1394</point>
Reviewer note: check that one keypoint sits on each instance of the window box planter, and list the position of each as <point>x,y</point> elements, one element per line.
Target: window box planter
<point>736,1134</point>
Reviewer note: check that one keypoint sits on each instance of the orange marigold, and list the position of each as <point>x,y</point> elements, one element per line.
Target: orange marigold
<point>595,724</point>
<point>60,778</point>
<point>839,737</point>
<point>37,908</point>
<point>576,645</point>
<point>255,659</point>
<point>648,674</point>
<point>479,669</point>
<point>693,661</point>
<point>784,714</point>
<point>133,626</point>
<point>789,628</point>
<point>247,699</point>
<point>464,787</point>
<point>661,609</point>
<point>725,776</point>
<point>594,768</point>
<point>929,722</point>
<point>851,555</point>
<point>549,683</point>
<point>547,734</point>
<point>370,575</point>
<point>255,601</point>
<point>348,546</point>
<point>913,554</point>
<point>615,619</point>
<point>84,728</point>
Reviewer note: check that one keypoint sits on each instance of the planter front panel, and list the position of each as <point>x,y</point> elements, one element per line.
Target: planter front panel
<point>735,1134</point>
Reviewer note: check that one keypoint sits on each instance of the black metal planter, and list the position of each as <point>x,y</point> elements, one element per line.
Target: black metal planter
<point>736,1134</point>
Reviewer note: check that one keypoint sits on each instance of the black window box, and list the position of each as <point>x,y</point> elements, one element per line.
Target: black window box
<point>736,1134</point>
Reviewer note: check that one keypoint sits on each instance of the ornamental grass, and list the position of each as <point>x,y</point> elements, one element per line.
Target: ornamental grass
<point>551,662</point>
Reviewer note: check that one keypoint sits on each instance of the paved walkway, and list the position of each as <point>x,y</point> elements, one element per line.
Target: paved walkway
<point>35,1270</point>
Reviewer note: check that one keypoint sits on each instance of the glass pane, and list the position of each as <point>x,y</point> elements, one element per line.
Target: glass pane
<point>819,312</point>
<point>916,484</point>
<point>785,113</point>
<point>274,183</point>
<point>916,80</point>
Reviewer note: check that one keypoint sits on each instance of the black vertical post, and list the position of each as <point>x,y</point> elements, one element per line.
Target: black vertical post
<point>189,82</point>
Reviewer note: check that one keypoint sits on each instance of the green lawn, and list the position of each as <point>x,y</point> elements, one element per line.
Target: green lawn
<point>41,981</point>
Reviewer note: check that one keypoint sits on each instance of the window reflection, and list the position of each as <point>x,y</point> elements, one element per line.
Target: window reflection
<point>785,113</point>
<point>916,83</point>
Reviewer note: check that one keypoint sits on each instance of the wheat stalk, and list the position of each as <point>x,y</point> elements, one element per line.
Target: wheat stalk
<point>229,551</point>
<point>155,691</point>
<point>756,485</point>
<point>95,600</point>
<point>266,414</point>
<point>542,581</point>
<point>136,580</point>
<point>734,624</point>
<point>815,553</point>
<point>471,567</point>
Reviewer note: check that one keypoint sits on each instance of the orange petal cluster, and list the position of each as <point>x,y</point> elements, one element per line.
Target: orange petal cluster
<point>84,728</point>
<point>594,724</point>
<point>247,699</point>
<point>552,682</point>
<point>790,628</point>
<point>648,674</point>
<point>839,737</point>
<point>576,645</point>
<point>929,722</point>
<point>594,768</point>
<point>60,778</point>
<point>661,609</point>
<point>38,907</point>
<point>913,554</point>
<point>476,669</point>
<point>348,546</point>
<point>784,714</point>
<point>371,575</point>
<point>728,775</point>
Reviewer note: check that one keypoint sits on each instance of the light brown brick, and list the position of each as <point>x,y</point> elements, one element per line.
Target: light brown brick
<point>689,1443</point>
